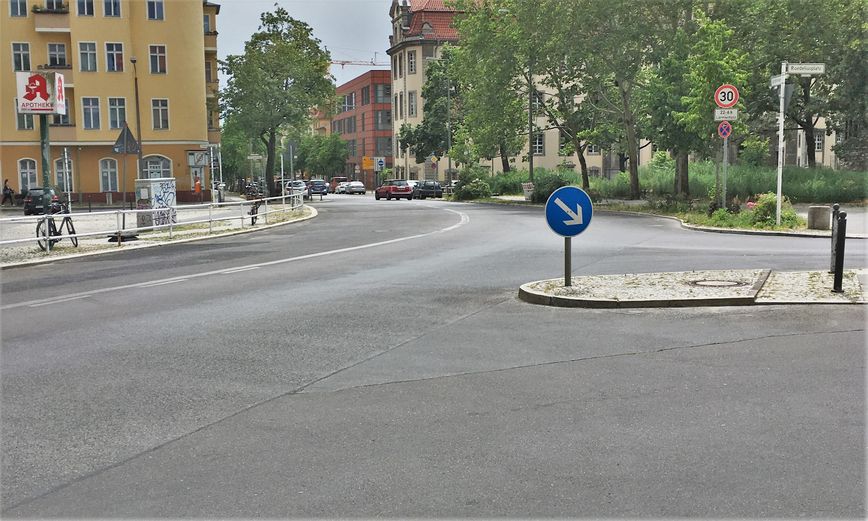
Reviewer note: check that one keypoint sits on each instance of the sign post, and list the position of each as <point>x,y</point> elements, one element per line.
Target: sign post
<point>41,93</point>
<point>568,213</point>
<point>726,96</point>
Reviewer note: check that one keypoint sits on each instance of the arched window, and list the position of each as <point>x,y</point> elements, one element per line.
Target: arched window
<point>27,173</point>
<point>108,175</point>
<point>63,174</point>
<point>157,166</point>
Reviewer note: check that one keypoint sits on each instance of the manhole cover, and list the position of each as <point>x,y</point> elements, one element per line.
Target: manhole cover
<point>716,283</point>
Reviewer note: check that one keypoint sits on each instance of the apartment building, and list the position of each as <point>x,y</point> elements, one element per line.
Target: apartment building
<point>104,48</point>
<point>364,120</point>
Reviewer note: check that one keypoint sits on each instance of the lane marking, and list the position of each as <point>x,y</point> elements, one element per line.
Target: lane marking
<point>57,301</point>
<point>239,270</point>
<point>464,219</point>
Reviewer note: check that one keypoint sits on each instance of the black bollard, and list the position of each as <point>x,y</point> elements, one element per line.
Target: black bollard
<point>839,252</point>
<point>835,208</point>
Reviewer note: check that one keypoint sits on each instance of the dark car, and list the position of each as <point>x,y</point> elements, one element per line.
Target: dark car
<point>33,200</point>
<point>425,189</point>
<point>317,186</point>
<point>394,188</point>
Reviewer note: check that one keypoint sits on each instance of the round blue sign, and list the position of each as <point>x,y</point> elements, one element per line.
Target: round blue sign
<point>569,210</point>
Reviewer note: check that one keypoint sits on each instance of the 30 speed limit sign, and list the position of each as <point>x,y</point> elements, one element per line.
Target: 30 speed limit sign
<point>726,96</point>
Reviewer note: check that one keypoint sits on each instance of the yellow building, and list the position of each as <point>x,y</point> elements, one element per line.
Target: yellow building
<point>103,48</point>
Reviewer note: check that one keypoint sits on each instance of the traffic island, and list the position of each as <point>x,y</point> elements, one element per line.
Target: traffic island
<point>692,289</point>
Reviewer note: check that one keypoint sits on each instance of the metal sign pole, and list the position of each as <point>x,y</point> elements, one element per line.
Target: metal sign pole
<point>781,90</point>
<point>725,162</point>
<point>568,261</point>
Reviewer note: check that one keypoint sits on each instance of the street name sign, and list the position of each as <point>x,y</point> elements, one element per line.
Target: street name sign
<point>726,96</point>
<point>568,211</point>
<point>725,114</point>
<point>777,80</point>
<point>806,68</point>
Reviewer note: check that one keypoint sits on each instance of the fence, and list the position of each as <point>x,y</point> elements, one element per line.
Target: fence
<point>17,231</point>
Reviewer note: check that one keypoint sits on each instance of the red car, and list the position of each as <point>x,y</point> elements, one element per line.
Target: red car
<point>396,188</point>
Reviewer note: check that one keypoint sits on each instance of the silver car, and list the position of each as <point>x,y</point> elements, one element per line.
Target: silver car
<point>355,187</point>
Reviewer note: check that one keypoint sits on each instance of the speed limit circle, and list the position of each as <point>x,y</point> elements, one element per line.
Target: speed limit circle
<point>726,96</point>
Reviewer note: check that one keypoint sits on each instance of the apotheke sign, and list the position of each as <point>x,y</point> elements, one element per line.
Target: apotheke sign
<point>40,93</point>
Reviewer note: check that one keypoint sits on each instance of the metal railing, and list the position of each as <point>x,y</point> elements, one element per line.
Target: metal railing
<point>121,223</point>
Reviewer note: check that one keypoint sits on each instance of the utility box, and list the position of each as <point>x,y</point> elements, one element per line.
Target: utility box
<point>159,195</point>
<point>819,218</point>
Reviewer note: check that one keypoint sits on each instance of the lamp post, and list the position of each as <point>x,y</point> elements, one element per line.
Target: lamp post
<point>138,118</point>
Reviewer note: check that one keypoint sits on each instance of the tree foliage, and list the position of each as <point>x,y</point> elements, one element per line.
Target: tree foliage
<point>272,87</point>
<point>322,156</point>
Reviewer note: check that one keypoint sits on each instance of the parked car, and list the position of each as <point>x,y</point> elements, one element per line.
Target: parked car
<point>294,187</point>
<point>333,185</point>
<point>427,189</point>
<point>396,188</point>
<point>34,200</point>
<point>341,188</point>
<point>317,186</point>
<point>412,183</point>
<point>356,187</point>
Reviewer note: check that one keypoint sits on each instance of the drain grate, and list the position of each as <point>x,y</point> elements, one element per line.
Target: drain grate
<point>717,283</point>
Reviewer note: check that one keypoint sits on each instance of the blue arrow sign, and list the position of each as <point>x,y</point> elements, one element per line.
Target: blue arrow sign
<point>569,211</point>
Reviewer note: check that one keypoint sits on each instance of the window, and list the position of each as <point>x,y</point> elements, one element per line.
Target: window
<point>155,9</point>
<point>383,120</point>
<point>61,119</point>
<point>411,104</point>
<point>362,116</point>
<point>208,72</point>
<point>818,141</point>
<point>348,102</point>
<point>411,62</point>
<point>85,7</point>
<point>19,8</point>
<point>594,171</point>
<point>206,22</point>
<point>21,56</point>
<point>63,173</point>
<point>55,5</point>
<point>400,105</point>
<point>157,166</point>
<point>87,56</point>
<point>366,95</point>
<point>384,146</point>
<point>90,111</point>
<point>108,175</point>
<point>563,144</point>
<point>351,147</point>
<point>25,121</point>
<point>382,93</point>
<point>158,59</point>
<point>117,112</point>
<point>114,57</point>
<point>401,65</point>
<point>112,7</point>
<point>593,150</point>
<point>537,101</point>
<point>351,125</point>
<point>160,111</point>
<point>57,54</point>
<point>27,173</point>
<point>538,144</point>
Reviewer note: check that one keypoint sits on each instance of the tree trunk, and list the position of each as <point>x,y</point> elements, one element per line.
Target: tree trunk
<point>583,165</point>
<point>504,159</point>
<point>808,124</point>
<point>681,173</point>
<point>632,144</point>
<point>270,151</point>
<point>622,162</point>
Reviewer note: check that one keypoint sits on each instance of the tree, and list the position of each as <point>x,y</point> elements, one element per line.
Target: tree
<point>322,156</point>
<point>235,146</point>
<point>282,74</point>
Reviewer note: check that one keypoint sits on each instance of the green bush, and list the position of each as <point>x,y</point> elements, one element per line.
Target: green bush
<point>765,212</point>
<point>508,183</point>
<point>754,151</point>
<point>544,184</point>
<point>474,189</point>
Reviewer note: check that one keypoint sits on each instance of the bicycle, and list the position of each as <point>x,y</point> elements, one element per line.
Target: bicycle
<point>54,230</point>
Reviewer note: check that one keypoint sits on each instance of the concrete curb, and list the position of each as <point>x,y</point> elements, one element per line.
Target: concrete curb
<point>137,246</point>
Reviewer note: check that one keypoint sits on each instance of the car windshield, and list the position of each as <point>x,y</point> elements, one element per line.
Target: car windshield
<point>400,182</point>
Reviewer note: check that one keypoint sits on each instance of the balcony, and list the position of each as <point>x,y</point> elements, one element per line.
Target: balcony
<point>61,133</point>
<point>211,41</point>
<point>66,70</point>
<point>51,20</point>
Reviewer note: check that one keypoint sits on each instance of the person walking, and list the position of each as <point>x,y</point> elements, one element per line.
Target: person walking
<point>7,194</point>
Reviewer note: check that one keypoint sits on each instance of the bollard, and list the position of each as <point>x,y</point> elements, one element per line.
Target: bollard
<point>839,253</point>
<point>835,208</point>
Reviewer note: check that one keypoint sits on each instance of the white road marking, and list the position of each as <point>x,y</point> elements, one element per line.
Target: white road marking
<point>239,270</point>
<point>35,303</point>
<point>57,301</point>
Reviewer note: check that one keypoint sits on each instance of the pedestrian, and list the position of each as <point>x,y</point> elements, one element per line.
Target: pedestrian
<point>197,188</point>
<point>7,194</point>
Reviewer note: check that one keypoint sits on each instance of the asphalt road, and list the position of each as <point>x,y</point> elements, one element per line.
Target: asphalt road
<point>375,361</point>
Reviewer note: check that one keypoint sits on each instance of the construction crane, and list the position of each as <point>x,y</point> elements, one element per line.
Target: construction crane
<point>343,63</point>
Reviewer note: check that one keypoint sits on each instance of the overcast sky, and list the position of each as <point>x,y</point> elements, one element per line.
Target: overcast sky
<point>349,29</point>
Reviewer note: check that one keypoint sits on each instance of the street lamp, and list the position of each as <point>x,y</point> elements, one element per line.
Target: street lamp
<point>138,118</point>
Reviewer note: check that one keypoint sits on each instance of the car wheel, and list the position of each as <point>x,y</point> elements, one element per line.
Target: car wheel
<point>377,196</point>
<point>389,197</point>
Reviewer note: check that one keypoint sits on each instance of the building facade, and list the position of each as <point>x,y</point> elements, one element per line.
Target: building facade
<point>104,48</point>
<point>364,120</point>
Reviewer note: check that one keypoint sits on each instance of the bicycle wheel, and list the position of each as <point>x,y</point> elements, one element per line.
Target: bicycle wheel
<point>40,232</point>
<point>71,230</point>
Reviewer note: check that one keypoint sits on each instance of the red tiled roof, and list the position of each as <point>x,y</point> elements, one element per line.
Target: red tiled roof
<point>440,22</point>
<point>429,5</point>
